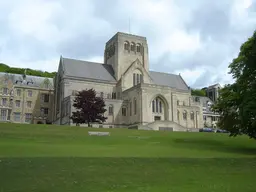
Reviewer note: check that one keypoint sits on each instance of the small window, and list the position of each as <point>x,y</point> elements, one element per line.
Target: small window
<point>18,92</point>
<point>141,78</point>
<point>16,117</point>
<point>29,104</point>
<point>29,93</point>
<point>44,111</point>
<point>124,111</point>
<point>130,108</point>
<point>135,106</point>
<point>178,115</point>
<point>113,95</point>
<point>5,90</point>
<point>157,105</point>
<point>138,79</point>
<point>4,102</point>
<point>101,94</point>
<point>28,117</point>
<point>134,79</point>
<point>153,106</point>
<point>110,110</point>
<point>45,98</point>
<point>17,103</point>
<point>3,114</point>
<point>160,106</point>
<point>109,96</point>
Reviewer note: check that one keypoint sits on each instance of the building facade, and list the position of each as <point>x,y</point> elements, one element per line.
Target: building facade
<point>25,99</point>
<point>210,118</point>
<point>135,97</point>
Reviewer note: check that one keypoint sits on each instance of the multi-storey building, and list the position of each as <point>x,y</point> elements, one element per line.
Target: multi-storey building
<point>25,99</point>
<point>210,118</point>
<point>134,95</point>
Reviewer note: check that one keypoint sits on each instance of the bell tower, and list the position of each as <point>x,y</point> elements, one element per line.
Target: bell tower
<point>123,49</point>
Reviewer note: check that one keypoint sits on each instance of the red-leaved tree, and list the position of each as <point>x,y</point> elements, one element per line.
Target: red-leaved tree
<point>89,108</point>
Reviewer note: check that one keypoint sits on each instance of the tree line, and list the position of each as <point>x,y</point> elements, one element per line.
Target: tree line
<point>6,69</point>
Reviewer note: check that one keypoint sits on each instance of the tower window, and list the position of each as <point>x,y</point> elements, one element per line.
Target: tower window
<point>138,47</point>
<point>133,47</point>
<point>126,45</point>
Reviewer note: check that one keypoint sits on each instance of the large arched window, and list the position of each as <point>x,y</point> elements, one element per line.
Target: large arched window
<point>184,115</point>
<point>126,45</point>
<point>157,105</point>
<point>192,115</point>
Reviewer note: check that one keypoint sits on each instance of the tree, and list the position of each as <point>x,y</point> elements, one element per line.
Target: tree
<point>237,101</point>
<point>89,108</point>
<point>198,92</point>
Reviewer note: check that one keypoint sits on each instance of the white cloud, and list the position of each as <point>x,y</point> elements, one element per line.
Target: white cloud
<point>196,39</point>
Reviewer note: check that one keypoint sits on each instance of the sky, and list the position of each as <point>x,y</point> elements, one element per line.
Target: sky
<point>197,39</point>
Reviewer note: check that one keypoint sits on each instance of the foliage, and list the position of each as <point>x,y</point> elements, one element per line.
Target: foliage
<point>89,107</point>
<point>6,69</point>
<point>198,92</point>
<point>237,101</point>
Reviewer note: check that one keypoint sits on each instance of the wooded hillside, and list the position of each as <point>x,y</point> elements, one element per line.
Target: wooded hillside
<point>6,69</point>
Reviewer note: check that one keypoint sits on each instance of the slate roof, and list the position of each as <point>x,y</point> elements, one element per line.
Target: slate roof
<point>86,69</point>
<point>34,81</point>
<point>167,79</point>
<point>105,72</point>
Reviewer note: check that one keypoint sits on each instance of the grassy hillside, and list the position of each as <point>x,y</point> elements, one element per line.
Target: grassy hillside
<point>60,158</point>
<point>6,69</point>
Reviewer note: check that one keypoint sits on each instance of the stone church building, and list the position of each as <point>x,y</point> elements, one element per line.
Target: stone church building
<point>135,97</point>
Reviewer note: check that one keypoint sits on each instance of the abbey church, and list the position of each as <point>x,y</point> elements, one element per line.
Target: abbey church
<point>135,97</point>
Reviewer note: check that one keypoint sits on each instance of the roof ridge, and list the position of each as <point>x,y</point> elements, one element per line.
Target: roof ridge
<point>85,61</point>
<point>163,73</point>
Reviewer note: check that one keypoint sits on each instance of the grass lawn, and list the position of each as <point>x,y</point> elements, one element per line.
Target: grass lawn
<point>60,158</point>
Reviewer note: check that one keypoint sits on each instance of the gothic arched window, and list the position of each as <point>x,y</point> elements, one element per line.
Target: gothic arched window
<point>157,105</point>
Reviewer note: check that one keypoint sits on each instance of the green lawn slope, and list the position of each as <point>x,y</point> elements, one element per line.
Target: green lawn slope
<point>62,158</point>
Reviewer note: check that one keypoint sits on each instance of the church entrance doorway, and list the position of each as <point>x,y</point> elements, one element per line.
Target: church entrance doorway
<point>157,118</point>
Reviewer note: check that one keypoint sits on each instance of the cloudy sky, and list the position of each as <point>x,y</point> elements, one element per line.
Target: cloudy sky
<point>197,38</point>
